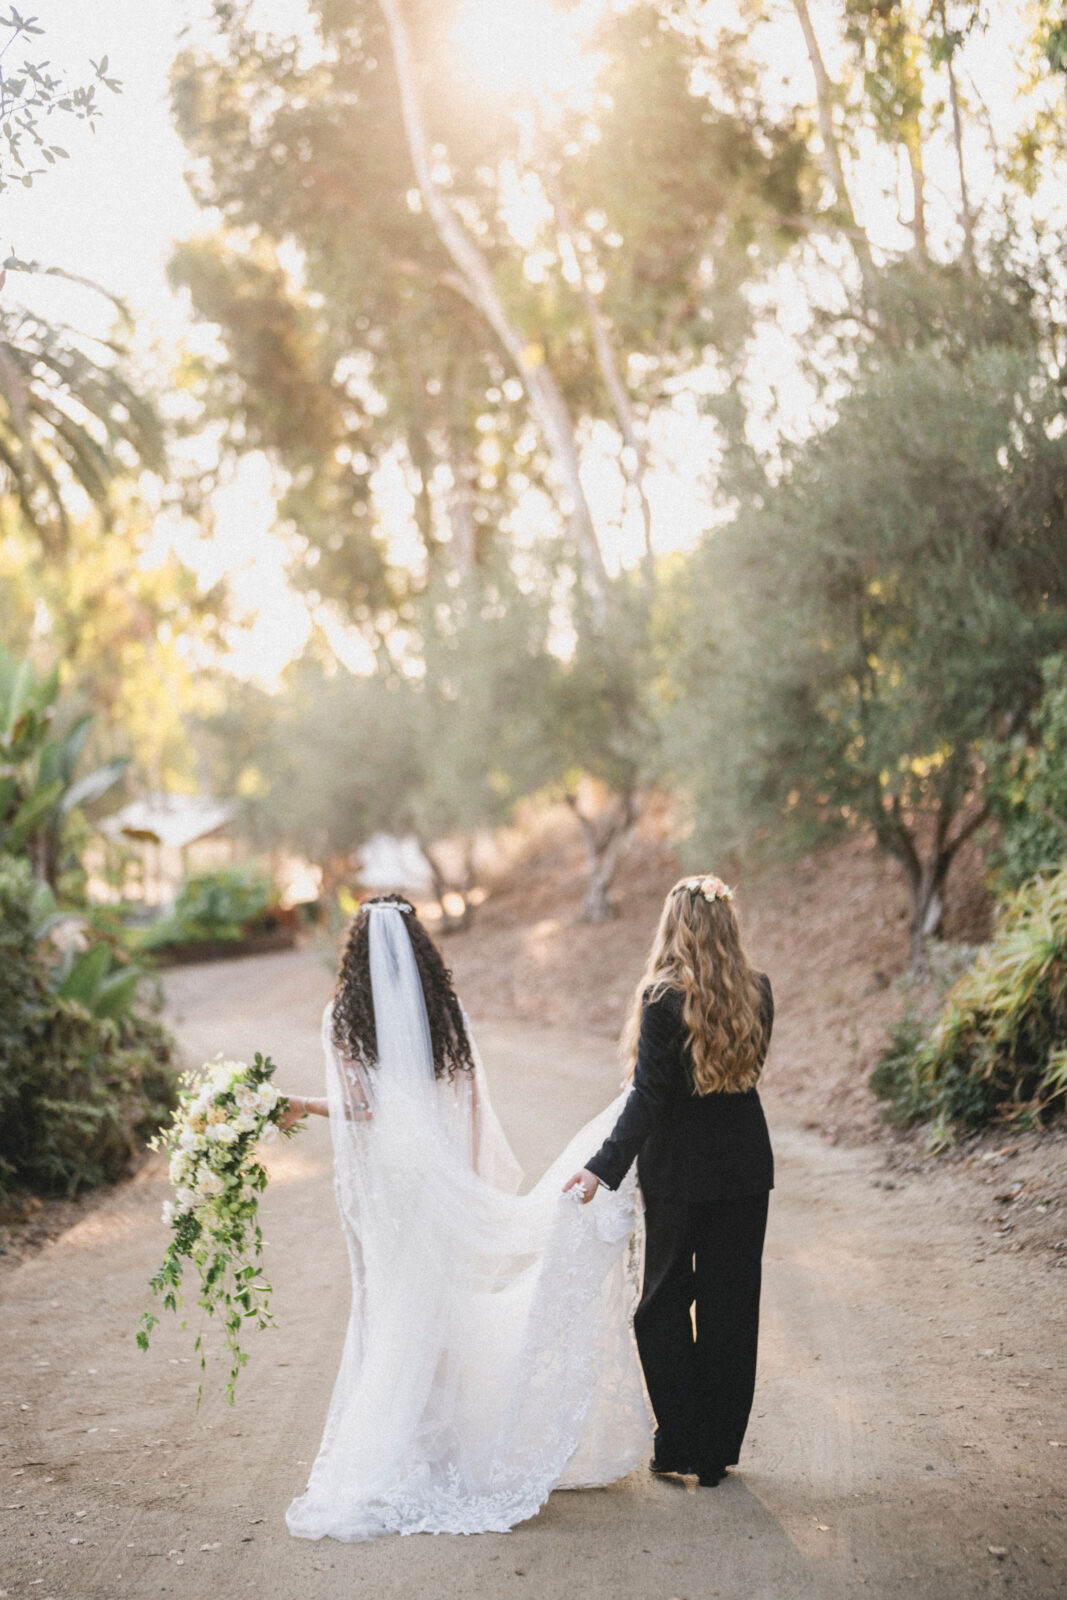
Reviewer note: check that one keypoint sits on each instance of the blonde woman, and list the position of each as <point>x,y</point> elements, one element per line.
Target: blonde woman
<point>696,1040</point>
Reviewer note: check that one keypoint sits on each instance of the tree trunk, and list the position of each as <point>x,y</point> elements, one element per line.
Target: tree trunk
<point>926,882</point>
<point>459,502</point>
<point>604,837</point>
<point>832,163</point>
<point>925,873</point>
<point>966,214</point>
<point>918,196</point>
<point>460,506</point>
<point>421,454</point>
<point>444,885</point>
<point>635,449</point>
<point>422,461</point>
<point>546,398</point>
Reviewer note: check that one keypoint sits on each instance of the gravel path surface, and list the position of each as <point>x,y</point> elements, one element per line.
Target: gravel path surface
<point>909,1436</point>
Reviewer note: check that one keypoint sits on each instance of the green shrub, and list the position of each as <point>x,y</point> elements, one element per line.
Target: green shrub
<point>894,1080</point>
<point>226,904</point>
<point>1027,788</point>
<point>77,1091</point>
<point>100,975</point>
<point>999,1047</point>
<point>40,791</point>
<point>104,986</point>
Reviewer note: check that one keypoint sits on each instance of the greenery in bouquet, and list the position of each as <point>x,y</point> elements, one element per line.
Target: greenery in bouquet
<point>213,1141</point>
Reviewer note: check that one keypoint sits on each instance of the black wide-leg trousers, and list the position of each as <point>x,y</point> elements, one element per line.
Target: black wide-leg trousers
<point>705,1253</point>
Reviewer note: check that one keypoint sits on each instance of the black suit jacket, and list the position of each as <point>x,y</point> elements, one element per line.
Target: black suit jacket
<point>689,1146</point>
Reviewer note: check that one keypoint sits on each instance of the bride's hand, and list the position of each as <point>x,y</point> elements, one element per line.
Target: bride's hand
<point>586,1182</point>
<point>296,1110</point>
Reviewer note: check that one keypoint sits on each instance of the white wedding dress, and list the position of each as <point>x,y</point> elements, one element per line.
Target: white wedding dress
<point>489,1357</point>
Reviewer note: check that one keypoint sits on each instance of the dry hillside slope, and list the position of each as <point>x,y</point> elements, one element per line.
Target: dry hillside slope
<point>831,930</point>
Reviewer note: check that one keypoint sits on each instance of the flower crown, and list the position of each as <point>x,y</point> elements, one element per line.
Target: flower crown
<point>711,887</point>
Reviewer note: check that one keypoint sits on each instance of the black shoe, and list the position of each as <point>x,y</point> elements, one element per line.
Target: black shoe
<point>711,1476</point>
<point>666,1468</point>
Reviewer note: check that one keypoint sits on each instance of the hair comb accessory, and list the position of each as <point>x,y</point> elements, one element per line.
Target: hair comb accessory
<point>711,887</point>
<point>388,905</point>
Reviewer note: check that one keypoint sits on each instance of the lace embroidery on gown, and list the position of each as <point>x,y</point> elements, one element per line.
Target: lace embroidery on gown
<point>489,1357</point>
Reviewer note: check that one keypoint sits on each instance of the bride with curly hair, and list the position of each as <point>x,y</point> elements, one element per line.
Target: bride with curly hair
<point>489,1357</point>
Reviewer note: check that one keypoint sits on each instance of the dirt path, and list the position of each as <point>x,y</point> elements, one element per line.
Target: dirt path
<point>910,1391</point>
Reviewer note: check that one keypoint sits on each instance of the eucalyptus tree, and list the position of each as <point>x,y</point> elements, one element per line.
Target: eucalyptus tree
<point>411,279</point>
<point>368,349</point>
<point>899,83</point>
<point>653,197</point>
<point>669,222</point>
<point>375,297</point>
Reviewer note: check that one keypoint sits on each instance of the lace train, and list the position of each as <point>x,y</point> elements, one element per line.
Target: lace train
<point>489,1357</point>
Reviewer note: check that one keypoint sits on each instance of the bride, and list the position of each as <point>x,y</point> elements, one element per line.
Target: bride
<point>489,1358</point>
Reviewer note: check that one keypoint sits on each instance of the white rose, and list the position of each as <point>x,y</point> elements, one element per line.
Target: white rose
<point>270,1134</point>
<point>225,1133</point>
<point>226,1074</point>
<point>169,1211</point>
<point>246,1122</point>
<point>267,1098</point>
<point>187,1139</point>
<point>209,1184</point>
<point>245,1098</point>
<point>185,1198</point>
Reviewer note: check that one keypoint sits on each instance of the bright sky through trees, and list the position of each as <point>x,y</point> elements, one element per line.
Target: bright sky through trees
<point>113,210</point>
<point>529,49</point>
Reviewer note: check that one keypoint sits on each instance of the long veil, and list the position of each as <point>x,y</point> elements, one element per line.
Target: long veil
<point>488,1358</point>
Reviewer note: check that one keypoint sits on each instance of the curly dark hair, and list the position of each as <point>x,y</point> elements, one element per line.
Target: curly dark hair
<point>353,1004</point>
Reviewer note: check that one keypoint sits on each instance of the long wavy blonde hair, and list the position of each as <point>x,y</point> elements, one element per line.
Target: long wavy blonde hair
<point>697,950</point>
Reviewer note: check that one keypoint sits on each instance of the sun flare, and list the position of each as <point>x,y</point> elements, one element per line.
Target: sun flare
<point>519,48</point>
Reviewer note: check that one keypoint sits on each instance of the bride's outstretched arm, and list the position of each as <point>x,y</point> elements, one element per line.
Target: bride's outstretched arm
<point>301,1106</point>
<point>357,1109</point>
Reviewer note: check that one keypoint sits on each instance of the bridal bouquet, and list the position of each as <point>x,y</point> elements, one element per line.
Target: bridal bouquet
<point>224,1115</point>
